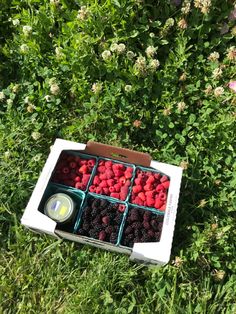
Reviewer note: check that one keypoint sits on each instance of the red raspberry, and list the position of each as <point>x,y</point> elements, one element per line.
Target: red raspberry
<point>77,159</point>
<point>108,164</point>
<point>121,208</point>
<point>103,184</point>
<point>150,193</point>
<point>78,185</point>
<point>83,162</point>
<point>150,180</point>
<point>142,196</point>
<point>105,191</point>
<point>83,169</point>
<point>96,180</point>
<point>77,179</point>
<point>166,184</point>
<point>72,165</point>
<point>92,188</point>
<point>110,182</point>
<point>138,201</point>
<point>128,174</point>
<point>117,187</point>
<point>115,195</point>
<point>159,188</point>
<point>91,162</point>
<point>129,169</point>
<point>163,207</point>
<point>164,179</point>
<point>158,203</point>
<point>106,220</point>
<point>103,176</point>
<point>137,188</point>
<point>85,179</point>
<point>138,181</point>
<point>124,189</point>
<point>109,173</point>
<point>148,187</point>
<point>127,183</point>
<point>118,172</point>
<point>162,196</point>
<point>122,180</point>
<point>111,189</point>
<point>98,190</point>
<point>157,176</point>
<point>101,162</point>
<point>101,169</point>
<point>123,196</point>
<point>150,201</point>
<point>102,235</point>
<point>65,170</point>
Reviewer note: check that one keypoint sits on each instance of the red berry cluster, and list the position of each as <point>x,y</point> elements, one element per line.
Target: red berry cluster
<point>112,179</point>
<point>101,220</point>
<point>73,171</point>
<point>150,189</point>
<point>141,226</point>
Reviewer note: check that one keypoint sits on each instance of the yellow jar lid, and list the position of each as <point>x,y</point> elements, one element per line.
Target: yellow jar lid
<point>59,207</point>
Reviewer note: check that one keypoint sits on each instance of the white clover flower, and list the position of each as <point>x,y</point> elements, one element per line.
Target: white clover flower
<point>182,24</point>
<point>214,56</point>
<point>169,22</point>
<point>130,54</point>
<point>181,105</point>
<point>114,47</point>
<point>166,112</point>
<point>7,154</point>
<point>106,55</point>
<point>83,13</point>
<point>48,98</point>
<point>128,88</point>
<point>30,108</point>
<point>203,5</point>
<point>59,52</point>
<point>218,91</point>
<point>2,96</point>
<point>150,51</point>
<point>141,65</point>
<point>154,64</point>
<point>35,135</point>
<point>183,77</point>
<point>16,88</point>
<point>9,102</point>
<point>55,2</point>
<point>54,89</point>
<point>186,7</point>
<point>24,48</point>
<point>217,73</point>
<point>97,88</point>
<point>184,165</point>
<point>231,53</point>
<point>208,90</point>
<point>121,48</point>
<point>152,35</point>
<point>27,30</point>
<point>37,157</point>
<point>15,22</point>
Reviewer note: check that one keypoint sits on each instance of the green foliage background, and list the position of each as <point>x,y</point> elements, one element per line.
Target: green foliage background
<point>41,275</point>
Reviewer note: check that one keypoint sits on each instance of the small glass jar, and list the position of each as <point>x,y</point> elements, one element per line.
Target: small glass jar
<point>60,207</point>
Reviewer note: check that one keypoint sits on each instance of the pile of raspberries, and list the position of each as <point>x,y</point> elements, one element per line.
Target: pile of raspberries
<point>73,171</point>
<point>112,179</point>
<point>101,220</point>
<point>150,189</point>
<point>141,226</point>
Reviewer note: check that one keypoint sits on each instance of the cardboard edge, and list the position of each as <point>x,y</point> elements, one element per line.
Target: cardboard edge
<point>159,252</point>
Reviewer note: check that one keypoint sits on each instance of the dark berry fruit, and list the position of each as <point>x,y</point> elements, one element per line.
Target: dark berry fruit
<point>93,233</point>
<point>102,235</point>
<point>109,229</point>
<point>82,232</point>
<point>128,230</point>
<point>154,224</point>
<point>113,237</point>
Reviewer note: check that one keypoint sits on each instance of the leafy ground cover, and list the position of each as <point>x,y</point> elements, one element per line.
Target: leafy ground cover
<point>154,76</point>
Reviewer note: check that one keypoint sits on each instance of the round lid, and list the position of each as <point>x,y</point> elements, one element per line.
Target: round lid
<point>59,207</point>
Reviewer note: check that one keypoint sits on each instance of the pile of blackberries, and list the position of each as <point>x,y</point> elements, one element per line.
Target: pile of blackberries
<point>141,226</point>
<point>101,219</point>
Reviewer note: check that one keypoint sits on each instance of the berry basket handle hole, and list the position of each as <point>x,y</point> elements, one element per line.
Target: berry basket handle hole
<point>118,155</point>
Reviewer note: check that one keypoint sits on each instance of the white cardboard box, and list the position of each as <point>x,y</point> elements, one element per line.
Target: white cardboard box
<point>153,252</point>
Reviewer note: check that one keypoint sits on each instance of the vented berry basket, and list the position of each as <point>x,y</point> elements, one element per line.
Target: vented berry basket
<point>112,178</point>
<point>100,218</point>
<point>75,170</point>
<point>150,189</point>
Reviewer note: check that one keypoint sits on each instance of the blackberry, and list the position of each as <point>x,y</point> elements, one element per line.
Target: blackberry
<point>136,225</point>
<point>157,236</point>
<point>146,225</point>
<point>160,226</point>
<point>116,228</point>
<point>113,237</point>
<point>87,209</point>
<point>103,203</point>
<point>151,233</point>
<point>130,236</point>
<point>134,211</point>
<point>146,238</point>
<point>98,228</point>
<point>86,226</point>
<point>154,224</point>
<point>110,215</point>
<point>146,216</point>
<point>82,232</point>
<point>136,239</point>
<point>118,219</point>
<point>93,233</point>
<point>138,232</point>
<point>128,230</point>
<point>104,212</point>
<point>109,229</point>
<point>94,212</point>
<point>96,221</point>
<point>134,217</point>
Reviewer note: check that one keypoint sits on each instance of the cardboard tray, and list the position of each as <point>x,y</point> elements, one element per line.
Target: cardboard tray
<point>152,252</point>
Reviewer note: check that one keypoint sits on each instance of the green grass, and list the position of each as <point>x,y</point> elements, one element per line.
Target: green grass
<point>46,84</point>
